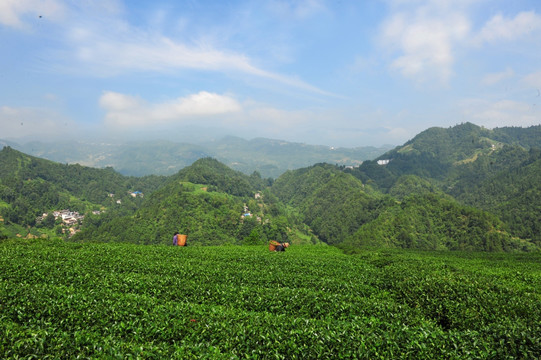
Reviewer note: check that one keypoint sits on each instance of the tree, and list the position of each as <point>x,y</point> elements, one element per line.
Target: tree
<point>49,221</point>
<point>254,238</point>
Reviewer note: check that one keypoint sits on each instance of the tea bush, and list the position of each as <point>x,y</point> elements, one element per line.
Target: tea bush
<point>67,300</point>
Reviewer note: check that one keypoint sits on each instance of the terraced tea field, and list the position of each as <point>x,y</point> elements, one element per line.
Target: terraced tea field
<point>66,300</point>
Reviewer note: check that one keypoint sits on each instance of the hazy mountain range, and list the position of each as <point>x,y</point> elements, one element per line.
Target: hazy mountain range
<point>269,157</point>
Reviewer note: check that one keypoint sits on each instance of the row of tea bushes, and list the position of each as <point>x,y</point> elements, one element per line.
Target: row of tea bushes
<point>66,300</point>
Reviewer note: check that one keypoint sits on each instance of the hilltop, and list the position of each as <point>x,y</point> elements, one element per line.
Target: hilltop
<point>497,170</point>
<point>211,203</point>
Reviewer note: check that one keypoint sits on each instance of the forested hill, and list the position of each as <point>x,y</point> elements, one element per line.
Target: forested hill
<point>465,141</point>
<point>514,193</point>
<point>342,211</point>
<point>219,177</point>
<point>498,171</point>
<point>209,202</point>
<point>30,186</point>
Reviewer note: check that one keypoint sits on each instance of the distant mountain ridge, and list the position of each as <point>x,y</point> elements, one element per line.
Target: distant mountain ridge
<point>270,158</point>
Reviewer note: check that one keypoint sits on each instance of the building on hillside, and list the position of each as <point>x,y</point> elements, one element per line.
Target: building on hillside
<point>383,162</point>
<point>136,194</point>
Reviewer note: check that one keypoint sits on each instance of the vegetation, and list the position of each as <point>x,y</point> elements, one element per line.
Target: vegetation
<point>31,186</point>
<point>332,203</point>
<point>67,300</point>
<point>435,153</point>
<point>460,188</point>
<point>430,222</point>
<point>514,194</point>
<point>102,295</point>
<point>209,202</point>
<point>497,171</point>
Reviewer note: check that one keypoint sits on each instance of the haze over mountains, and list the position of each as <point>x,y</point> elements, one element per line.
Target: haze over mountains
<point>269,157</point>
<point>460,188</point>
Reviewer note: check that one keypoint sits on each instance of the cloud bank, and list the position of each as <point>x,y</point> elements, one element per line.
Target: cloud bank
<point>129,111</point>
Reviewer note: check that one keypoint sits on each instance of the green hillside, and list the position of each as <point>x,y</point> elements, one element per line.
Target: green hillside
<point>30,186</point>
<point>341,211</point>
<point>211,172</point>
<point>209,202</point>
<point>332,203</point>
<point>492,170</point>
<point>435,153</point>
<point>513,194</point>
<point>429,222</point>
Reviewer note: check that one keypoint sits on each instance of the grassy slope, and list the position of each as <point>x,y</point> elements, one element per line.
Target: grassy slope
<point>116,300</point>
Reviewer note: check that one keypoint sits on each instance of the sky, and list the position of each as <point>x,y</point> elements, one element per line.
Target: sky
<point>345,73</point>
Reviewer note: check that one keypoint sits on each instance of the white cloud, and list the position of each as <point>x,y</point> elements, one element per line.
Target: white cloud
<point>494,78</point>
<point>506,29</point>
<point>112,47</point>
<point>96,41</point>
<point>424,38</point>
<point>126,110</point>
<point>502,113</point>
<point>13,12</point>
<point>121,53</point>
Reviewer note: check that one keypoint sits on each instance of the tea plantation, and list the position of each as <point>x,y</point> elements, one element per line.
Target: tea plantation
<point>121,301</point>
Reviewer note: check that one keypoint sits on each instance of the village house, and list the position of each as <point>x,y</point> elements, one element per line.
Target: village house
<point>136,194</point>
<point>68,217</point>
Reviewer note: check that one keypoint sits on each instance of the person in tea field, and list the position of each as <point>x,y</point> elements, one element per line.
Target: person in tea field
<point>277,246</point>
<point>175,238</point>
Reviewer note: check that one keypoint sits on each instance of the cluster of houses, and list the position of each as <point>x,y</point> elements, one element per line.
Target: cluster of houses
<point>133,194</point>
<point>68,217</point>
<point>379,162</point>
<point>247,212</point>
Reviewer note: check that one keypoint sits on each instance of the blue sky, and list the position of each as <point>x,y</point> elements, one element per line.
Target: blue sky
<point>338,73</point>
